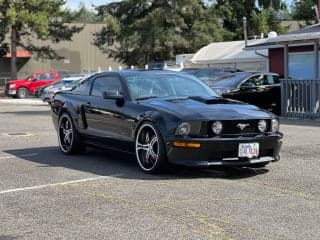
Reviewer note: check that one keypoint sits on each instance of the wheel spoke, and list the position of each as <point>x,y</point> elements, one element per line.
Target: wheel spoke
<point>147,137</point>
<point>144,147</point>
<point>148,154</point>
<point>66,139</point>
<point>153,154</point>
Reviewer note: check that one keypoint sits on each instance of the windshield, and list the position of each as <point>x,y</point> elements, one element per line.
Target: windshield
<point>30,77</point>
<point>166,85</point>
<point>230,80</point>
<point>70,83</point>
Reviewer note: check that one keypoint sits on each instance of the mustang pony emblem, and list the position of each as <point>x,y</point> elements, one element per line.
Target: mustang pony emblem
<point>243,125</point>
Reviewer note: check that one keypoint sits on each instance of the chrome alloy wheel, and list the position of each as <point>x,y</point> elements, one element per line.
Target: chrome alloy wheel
<point>147,147</point>
<point>66,135</point>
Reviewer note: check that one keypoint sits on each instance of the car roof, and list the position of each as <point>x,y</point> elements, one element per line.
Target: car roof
<point>223,69</point>
<point>124,73</point>
<point>75,78</point>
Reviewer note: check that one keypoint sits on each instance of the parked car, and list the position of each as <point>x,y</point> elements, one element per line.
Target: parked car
<point>164,117</point>
<point>209,75</point>
<point>25,87</point>
<point>65,84</point>
<point>260,89</point>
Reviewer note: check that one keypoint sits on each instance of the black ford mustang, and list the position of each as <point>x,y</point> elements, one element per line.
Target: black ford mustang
<point>164,117</point>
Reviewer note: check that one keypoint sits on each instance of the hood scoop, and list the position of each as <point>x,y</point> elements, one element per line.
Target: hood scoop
<point>209,101</point>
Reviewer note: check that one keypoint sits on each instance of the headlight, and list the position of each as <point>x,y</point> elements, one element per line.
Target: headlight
<point>262,125</point>
<point>183,129</point>
<point>12,86</point>
<point>216,127</point>
<point>275,125</point>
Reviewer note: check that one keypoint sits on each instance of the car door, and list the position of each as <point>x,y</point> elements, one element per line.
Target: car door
<point>40,80</point>
<point>272,93</point>
<point>250,90</point>
<point>107,119</point>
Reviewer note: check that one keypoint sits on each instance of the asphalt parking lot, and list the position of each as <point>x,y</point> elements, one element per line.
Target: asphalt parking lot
<point>103,195</point>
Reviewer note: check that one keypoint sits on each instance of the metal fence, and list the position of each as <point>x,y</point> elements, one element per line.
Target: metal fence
<point>300,98</point>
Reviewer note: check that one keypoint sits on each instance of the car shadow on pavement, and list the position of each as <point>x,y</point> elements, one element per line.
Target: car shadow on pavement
<point>123,165</point>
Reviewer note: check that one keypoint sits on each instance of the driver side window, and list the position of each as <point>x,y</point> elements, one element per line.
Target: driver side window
<point>44,76</point>
<point>106,83</point>
<point>253,81</point>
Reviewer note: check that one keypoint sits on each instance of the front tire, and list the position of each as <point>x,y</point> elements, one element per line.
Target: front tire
<point>69,140</point>
<point>150,151</point>
<point>22,93</point>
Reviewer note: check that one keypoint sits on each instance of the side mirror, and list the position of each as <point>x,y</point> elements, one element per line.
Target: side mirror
<point>114,94</point>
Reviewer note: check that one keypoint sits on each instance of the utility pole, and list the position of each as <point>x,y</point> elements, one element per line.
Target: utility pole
<point>245,31</point>
<point>13,52</point>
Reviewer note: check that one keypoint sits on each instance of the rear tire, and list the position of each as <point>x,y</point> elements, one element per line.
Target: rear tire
<point>150,150</point>
<point>68,136</point>
<point>22,93</point>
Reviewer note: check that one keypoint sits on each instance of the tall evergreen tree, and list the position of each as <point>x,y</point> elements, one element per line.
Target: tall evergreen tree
<point>26,20</point>
<point>262,15</point>
<point>304,10</point>
<point>140,31</point>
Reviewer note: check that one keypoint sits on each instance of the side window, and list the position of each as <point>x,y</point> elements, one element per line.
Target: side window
<point>84,87</point>
<point>253,81</point>
<point>271,79</point>
<point>51,76</point>
<point>106,83</point>
<point>276,79</point>
<point>45,76</point>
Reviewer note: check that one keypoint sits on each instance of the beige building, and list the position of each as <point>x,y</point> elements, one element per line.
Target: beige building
<point>230,54</point>
<point>79,55</point>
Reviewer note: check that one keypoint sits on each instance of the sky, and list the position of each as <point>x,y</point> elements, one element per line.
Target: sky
<point>74,4</point>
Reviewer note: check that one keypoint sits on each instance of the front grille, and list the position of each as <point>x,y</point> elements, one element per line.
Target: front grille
<point>235,128</point>
<point>240,127</point>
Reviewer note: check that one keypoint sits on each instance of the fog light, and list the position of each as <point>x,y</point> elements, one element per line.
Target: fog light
<point>262,125</point>
<point>183,129</point>
<point>216,127</point>
<point>275,125</point>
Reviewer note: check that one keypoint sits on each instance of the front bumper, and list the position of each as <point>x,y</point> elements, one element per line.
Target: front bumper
<point>46,96</point>
<point>10,92</point>
<point>224,151</point>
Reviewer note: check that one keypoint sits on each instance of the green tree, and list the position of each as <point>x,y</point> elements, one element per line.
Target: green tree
<point>262,15</point>
<point>26,20</point>
<point>139,31</point>
<point>304,10</point>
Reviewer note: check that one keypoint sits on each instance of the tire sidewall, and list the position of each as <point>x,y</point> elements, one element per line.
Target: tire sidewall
<point>24,91</point>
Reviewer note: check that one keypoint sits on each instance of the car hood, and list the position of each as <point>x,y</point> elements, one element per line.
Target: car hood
<point>58,87</point>
<point>207,109</point>
<point>17,81</point>
<point>222,90</point>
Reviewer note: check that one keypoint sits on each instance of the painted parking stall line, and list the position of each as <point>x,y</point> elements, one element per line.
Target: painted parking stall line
<point>23,189</point>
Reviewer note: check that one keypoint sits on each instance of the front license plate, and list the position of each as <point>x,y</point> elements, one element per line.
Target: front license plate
<point>248,150</point>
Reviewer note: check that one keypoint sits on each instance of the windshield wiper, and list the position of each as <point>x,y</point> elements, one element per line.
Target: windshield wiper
<point>144,98</point>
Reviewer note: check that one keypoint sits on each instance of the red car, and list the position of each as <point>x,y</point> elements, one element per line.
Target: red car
<point>25,87</point>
